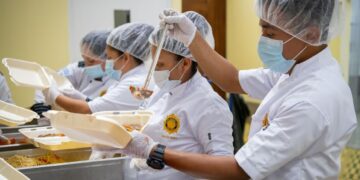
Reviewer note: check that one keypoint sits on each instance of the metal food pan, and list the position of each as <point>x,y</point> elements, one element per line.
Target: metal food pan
<point>77,166</point>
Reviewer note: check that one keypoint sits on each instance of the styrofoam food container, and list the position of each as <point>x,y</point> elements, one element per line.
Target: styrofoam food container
<point>62,82</point>
<point>12,115</point>
<point>26,73</point>
<point>100,128</point>
<point>54,143</point>
<point>9,172</point>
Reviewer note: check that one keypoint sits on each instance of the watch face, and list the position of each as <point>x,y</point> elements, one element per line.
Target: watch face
<point>156,164</point>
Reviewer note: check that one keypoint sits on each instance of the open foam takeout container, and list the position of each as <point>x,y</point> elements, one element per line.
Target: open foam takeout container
<point>27,74</point>
<point>106,128</point>
<point>31,74</point>
<point>12,115</point>
<point>51,139</point>
<point>62,82</point>
<point>9,172</point>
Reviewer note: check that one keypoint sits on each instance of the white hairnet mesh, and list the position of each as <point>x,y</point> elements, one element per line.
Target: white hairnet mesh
<point>315,22</point>
<point>178,47</point>
<point>93,45</point>
<point>132,38</point>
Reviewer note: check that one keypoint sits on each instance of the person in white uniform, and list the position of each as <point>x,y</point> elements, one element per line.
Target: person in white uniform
<point>127,49</point>
<point>5,94</point>
<point>87,76</point>
<point>307,113</point>
<point>188,115</point>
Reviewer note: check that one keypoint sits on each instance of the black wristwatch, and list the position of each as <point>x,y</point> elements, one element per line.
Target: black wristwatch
<point>156,158</point>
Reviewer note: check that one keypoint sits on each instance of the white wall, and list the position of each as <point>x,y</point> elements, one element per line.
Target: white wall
<point>88,15</point>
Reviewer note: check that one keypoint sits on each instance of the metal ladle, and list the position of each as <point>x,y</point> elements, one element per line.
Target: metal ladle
<point>144,93</point>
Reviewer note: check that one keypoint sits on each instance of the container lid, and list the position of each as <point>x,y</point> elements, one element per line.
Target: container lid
<point>51,139</point>
<point>12,115</point>
<point>27,74</point>
<point>9,172</point>
<point>106,128</point>
<point>61,81</point>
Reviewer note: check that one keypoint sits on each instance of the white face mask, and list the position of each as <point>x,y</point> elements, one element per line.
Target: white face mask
<point>162,80</point>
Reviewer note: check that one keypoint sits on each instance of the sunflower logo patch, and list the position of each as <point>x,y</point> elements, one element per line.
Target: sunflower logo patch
<point>172,124</point>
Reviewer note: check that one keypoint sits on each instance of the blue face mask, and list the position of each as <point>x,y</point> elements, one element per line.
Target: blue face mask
<point>111,72</point>
<point>94,71</point>
<point>271,54</point>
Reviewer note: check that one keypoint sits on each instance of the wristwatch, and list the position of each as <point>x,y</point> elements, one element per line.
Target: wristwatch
<point>156,157</point>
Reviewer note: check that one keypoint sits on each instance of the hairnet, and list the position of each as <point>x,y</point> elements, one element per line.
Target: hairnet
<point>312,21</point>
<point>179,48</point>
<point>93,45</point>
<point>132,38</point>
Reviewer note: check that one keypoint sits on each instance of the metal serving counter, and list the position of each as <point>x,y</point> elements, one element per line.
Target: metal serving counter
<point>35,123</point>
<point>77,166</point>
<point>21,143</point>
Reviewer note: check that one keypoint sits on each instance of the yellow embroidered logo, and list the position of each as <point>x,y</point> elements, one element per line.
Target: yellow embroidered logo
<point>102,93</point>
<point>172,124</point>
<point>265,122</point>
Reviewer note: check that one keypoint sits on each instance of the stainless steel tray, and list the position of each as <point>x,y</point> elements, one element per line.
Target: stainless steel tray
<point>12,147</point>
<point>77,166</point>
<point>6,130</point>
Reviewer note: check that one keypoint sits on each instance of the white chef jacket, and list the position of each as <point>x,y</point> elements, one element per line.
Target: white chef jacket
<point>118,96</point>
<point>204,123</point>
<point>83,83</point>
<point>302,124</point>
<point>5,94</point>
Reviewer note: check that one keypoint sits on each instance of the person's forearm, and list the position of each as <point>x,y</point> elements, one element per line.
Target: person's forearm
<point>73,105</point>
<point>205,166</point>
<point>216,67</point>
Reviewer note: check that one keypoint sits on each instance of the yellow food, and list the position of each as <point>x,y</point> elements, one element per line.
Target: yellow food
<point>20,161</point>
<point>131,127</point>
<point>52,135</point>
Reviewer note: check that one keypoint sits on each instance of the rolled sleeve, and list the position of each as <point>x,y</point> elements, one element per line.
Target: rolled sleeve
<point>289,134</point>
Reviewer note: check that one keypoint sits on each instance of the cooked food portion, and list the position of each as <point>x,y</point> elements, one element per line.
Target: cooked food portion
<point>140,93</point>
<point>20,161</point>
<point>131,127</point>
<point>6,141</point>
<point>52,135</point>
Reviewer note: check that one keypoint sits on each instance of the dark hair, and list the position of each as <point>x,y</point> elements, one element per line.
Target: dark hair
<point>194,65</point>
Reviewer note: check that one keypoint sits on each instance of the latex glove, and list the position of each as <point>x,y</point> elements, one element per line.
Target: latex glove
<point>139,147</point>
<point>140,165</point>
<point>181,27</point>
<point>98,152</point>
<point>51,93</point>
<point>73,93</point>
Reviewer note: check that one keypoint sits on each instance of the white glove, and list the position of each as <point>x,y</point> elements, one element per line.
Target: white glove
<point>140,165</point>
<point>139,147</point>
<point>51,93</point>
<point>181,27</point>
<point>73,93</point>
<point>102,152</point>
